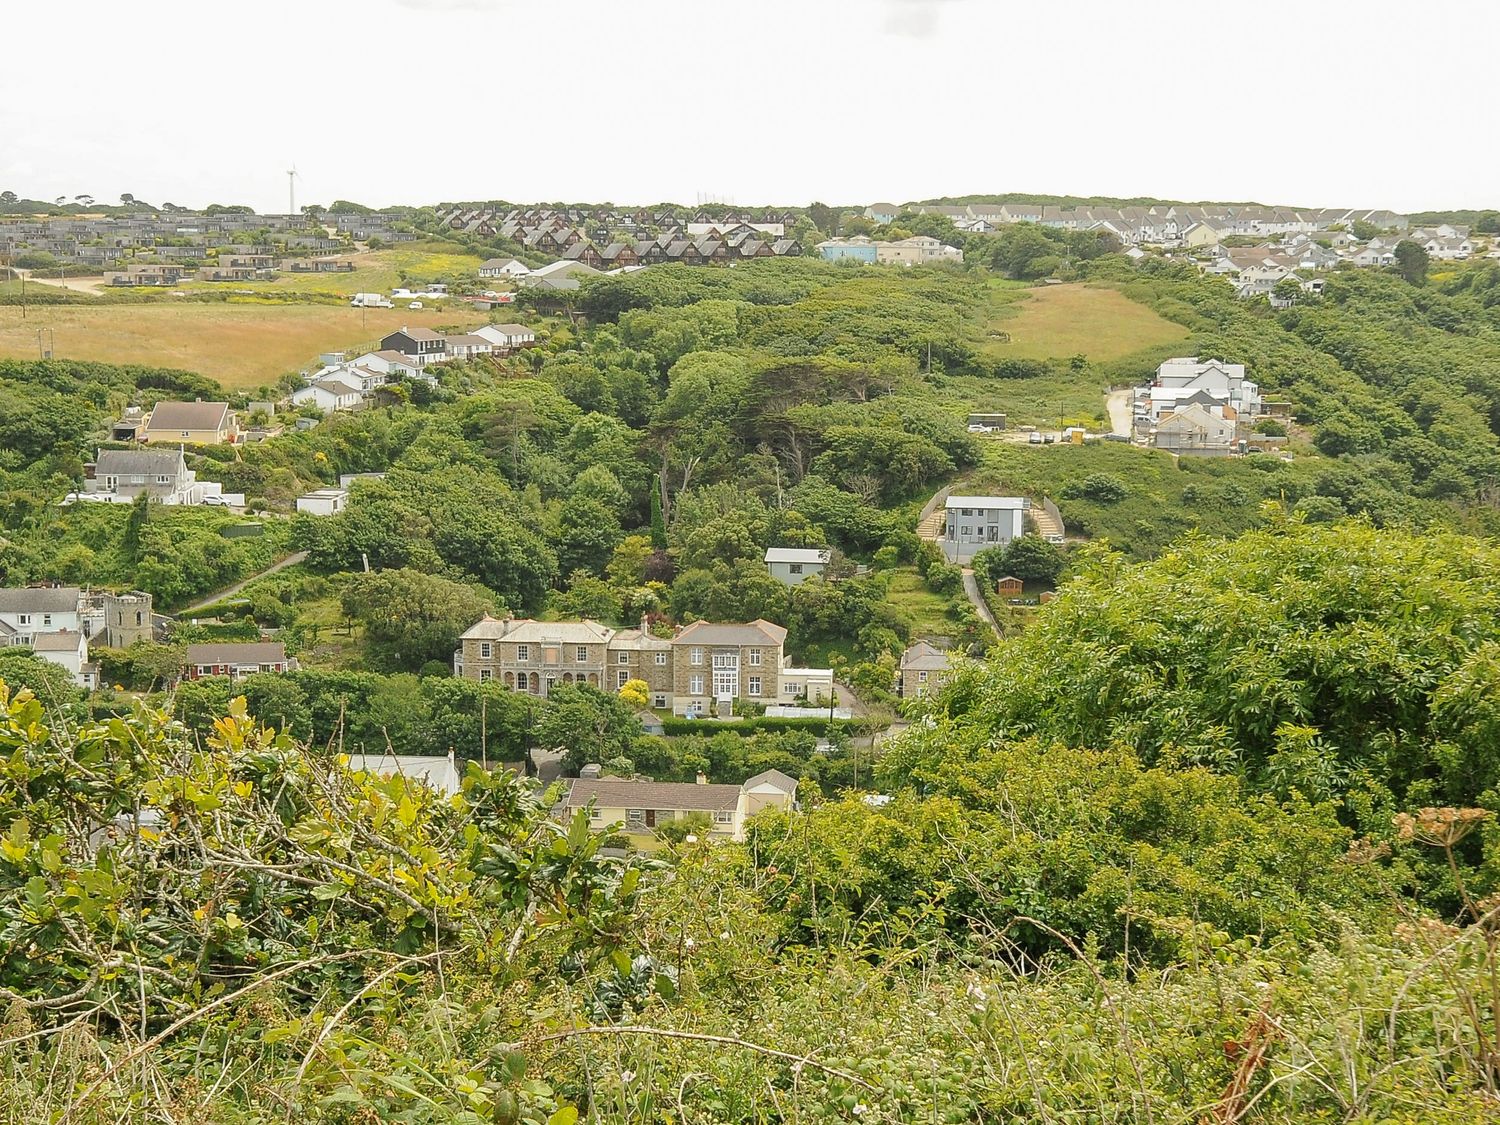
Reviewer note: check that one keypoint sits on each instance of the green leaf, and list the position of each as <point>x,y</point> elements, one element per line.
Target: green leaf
<point>568,1115</point>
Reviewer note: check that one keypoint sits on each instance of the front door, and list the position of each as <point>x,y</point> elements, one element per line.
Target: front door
<point>650,818</point>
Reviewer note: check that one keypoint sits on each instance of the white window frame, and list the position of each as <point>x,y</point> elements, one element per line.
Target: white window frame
<point>661,659</point>
<point>24,619</point>
<point>723,816</point>
<point>523,653</point>
<point>635,818</point>
<point>695,685</point>
<point>486,650</point>
<point>695,656</point>
<point>485,675</point>
<point>623,658</point>
<point>755,658</point>
<point>581,654</point>
<point>755,685</point>
<point>622,677</point>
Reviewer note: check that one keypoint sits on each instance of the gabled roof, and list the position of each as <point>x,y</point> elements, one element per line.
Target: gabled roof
<point>138,462</point>
<point>1006,503</point>
<point>267,652</point>
<point>924,657</point>
<point>774,778</point>
<point>685,796</point>
<point>39,599</point>
<point>757,632</point>
<point>189,416</point>
<point>416,334</point>
<point>64,640</point>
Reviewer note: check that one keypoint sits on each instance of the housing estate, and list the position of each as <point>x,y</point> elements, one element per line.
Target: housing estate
<point>641,806</point>
<point>704,666</point>
<point>973,523</point>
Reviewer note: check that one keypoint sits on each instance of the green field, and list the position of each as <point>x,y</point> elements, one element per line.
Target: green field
<point>1061,321</point>
<point>377,271</point>
<point>242,346</point>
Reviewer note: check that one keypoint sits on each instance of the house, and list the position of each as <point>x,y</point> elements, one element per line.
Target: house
<point>534,656</point>
<point>236,660</point>
<point>642,806</point>
<point>562,275</point>
<point>31,611</point>
<point>973,523</point>
<point>882,213</point>
<point>856,249</point>
<point>392,364</point>
<point>68,649</point>
<point>503,267</point>
<point>506,338</point>
<point>1010,586</point>
<point>198,423</point>
<point>1227,383</point>
<point>638,654</point>
<point>317,265</point>
<point>1195,429</point>
<point>330,393</point>
<point>146,275</point>
<point>716,664</point>
<point>794,565</point>
<point>420,345</point>
<point>922,669</point>
<point>465,346</point>
<point>118,476</point>
<point>323,501</point>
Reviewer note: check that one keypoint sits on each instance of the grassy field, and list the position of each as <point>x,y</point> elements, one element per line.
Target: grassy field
<point>376,271</point>
<point>1060,321</point>
<point>931,614</point>
<point>243,346</point>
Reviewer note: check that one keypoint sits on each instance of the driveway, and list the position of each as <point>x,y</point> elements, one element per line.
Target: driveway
<point>1118,404</point>
<point>230,591</point>
<point>976,596</point>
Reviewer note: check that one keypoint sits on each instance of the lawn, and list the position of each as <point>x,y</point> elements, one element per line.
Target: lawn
<point>243,346</point>
<point>931,614</point>
<point>376,271</point>
<point>1061,321</point>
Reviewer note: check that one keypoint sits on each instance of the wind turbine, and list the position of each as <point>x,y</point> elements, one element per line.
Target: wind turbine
<point>291,190</point>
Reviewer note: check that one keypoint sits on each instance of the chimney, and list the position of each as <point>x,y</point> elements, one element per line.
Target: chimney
<point>702,778</point>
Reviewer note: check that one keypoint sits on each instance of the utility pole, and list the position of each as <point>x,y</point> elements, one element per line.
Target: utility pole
<point>291,190</point>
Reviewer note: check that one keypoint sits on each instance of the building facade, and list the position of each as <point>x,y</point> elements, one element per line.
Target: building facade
<point>976,522</point>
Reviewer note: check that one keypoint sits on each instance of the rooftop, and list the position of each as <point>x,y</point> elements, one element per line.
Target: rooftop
<point>189,416</point>
<point>246,653</point>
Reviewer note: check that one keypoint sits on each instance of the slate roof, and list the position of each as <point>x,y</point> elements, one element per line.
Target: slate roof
<point>138,462</point>
<point>64,640</point>
<point>262,653</point>
<point>687,796</point>
<point>39,599</point>
<point>758,632</point>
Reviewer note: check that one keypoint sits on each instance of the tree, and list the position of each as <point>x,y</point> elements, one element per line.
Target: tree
<point>587,534</point>
<point>411,617</point>
<point>635,693</point>
<point>658,524</point>
<point>586,724</point>
<point>49,682</point>
<point>1287,291</point>
<point>1027,557</point>
<point>1412,261</point>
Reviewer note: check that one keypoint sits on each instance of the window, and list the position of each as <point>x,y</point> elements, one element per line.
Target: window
<point>755,658</point>
<point>623,677</point>
<point>791,687</point>
<point>485,675</point>
<point>523,652</point>
<point>46,619</point>
<point>921,677</point>
<point>661,659</point>
<point>659,701</point>
<point>754,685</point>
<point>794,568</point>
<point>695,656</point>
<point>624,658</point>
<point>695,685</point>
<point>635,818</point>
<point>25,619</point>
<point>486,650</point>
<point>595,814</point>
<point>582,654</point>
<point>723,816</point>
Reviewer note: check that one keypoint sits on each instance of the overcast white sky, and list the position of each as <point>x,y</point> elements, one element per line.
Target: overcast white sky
<point>1378,103</point>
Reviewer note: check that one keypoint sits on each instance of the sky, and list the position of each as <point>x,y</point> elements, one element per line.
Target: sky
<point>1381,103</point>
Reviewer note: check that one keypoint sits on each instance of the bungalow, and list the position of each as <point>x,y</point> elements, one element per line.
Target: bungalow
<point>323,501</point>
<point>330,393</point>
<point>197,423</point>
<point>882,213</point>
<point>503,267</point>
<point>506,338</point>
<point>642,806</point>
<point>795,565</point>
<point>236,660</point>
<point>465,346</point>
<point>147,275</point>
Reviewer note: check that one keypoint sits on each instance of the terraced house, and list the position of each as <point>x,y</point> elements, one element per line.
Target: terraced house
<point>705,666</point>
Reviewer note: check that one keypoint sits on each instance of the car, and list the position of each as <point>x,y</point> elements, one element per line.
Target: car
<point>415,305</point>
<point>1048,439</point>
<point>215,502</point>
<point>1034,438</point>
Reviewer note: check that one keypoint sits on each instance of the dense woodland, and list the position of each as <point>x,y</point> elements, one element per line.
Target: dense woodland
<point>1210,836</point>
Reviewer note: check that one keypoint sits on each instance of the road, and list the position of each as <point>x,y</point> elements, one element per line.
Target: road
<point>1118,405</point>
<point>230,591</point>
<point>976,596</point>
<point>92,285</point>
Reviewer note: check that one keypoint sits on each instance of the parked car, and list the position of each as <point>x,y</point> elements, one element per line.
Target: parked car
<point>415,305</point>
<point>1034,438</point>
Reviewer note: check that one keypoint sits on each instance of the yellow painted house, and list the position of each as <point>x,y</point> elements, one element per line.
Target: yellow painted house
<point>642,806</point>
<point>190,423</point>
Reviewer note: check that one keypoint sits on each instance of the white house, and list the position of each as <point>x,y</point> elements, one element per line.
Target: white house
<point>68,649</point>
<point>506,337</point>
<point>1225,382</point>
<point>1195,429</point>
<point>813,684</point>
<point>330,393</point>
<point>442,774</point>
<point>794,565</point>
<point>323,501</point>
<point>503,267</point>
<point>642,806</point>
<point>118,476</point>
<point>976,522</point>
<point>30,611</point>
